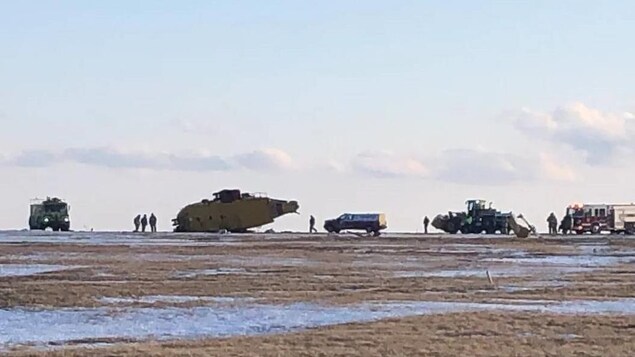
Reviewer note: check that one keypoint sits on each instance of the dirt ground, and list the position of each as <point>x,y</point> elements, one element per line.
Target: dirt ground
<point>340,270</point>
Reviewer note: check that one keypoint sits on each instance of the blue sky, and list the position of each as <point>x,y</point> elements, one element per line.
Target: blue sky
<point>408,107</point>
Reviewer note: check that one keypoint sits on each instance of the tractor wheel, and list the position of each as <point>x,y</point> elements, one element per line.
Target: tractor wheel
<point>450,228</point>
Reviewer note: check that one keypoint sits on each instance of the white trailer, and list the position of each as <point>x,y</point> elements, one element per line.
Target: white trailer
<point>624,218</point>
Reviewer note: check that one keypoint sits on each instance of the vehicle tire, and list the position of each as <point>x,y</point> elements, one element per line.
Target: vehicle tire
<point>376,233</point>
<point>369,230</point>
<point>595,229</point>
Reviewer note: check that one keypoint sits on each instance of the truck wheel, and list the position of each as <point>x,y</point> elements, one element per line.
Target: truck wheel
<point>595,229</point>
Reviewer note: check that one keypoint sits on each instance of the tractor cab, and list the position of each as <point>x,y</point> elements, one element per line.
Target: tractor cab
<point>479,208</point>
<point>475,205</point>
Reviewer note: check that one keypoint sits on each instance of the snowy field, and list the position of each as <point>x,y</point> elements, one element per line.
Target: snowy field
<point>104,291</point>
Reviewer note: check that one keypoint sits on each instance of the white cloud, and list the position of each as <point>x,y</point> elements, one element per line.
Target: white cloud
<point>268,159</point>
<point>481,167</point>
<point>116,158</point>
<point>464,166</point>
<point>598,135</point>
<point>388,164</point>
<point>258,160</point>
<point>554,170</point>
<point>32,158</point>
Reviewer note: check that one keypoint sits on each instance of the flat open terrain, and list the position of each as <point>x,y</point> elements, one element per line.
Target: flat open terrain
<point>294,294</point>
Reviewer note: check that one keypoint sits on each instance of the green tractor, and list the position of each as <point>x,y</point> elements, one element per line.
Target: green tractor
<point>479,218</point>
<point>50,213</point>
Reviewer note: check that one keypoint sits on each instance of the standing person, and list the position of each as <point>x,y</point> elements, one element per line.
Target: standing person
<point>552,221</point>
<point>153,223</point>
<point>144,223</point>
<point>312,225</point>
<point>137,222</point>
<point>566,224</point>
<point>426,221</point>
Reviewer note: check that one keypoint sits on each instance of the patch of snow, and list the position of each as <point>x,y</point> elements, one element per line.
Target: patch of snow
<point>31,269</point>
<point>24,326</point>
<point>212,272</point>
<point>174,299</point>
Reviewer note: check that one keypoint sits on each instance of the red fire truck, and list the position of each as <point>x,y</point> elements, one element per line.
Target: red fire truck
<point>598,218</point>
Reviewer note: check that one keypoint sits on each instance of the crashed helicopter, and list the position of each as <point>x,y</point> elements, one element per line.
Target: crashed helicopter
<point>233,211</point>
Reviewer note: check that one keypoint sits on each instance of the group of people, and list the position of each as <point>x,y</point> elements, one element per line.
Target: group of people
<point>143,222</point>
<point>566,225</point>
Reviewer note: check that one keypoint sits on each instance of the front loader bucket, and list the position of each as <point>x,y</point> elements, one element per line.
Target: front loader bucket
<point>520,226</point>
<point>440,222</point>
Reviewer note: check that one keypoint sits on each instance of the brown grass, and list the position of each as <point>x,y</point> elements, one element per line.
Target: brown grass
<point>337,271</point>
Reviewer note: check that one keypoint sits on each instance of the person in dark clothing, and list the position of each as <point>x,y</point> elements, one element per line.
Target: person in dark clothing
<point>552,221</point>
<point>426,221</point>
<point>312,225</point>
<point>144,223</point>
<point>153,223</point>
<point>137,222</point>
<point>567,224</point>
